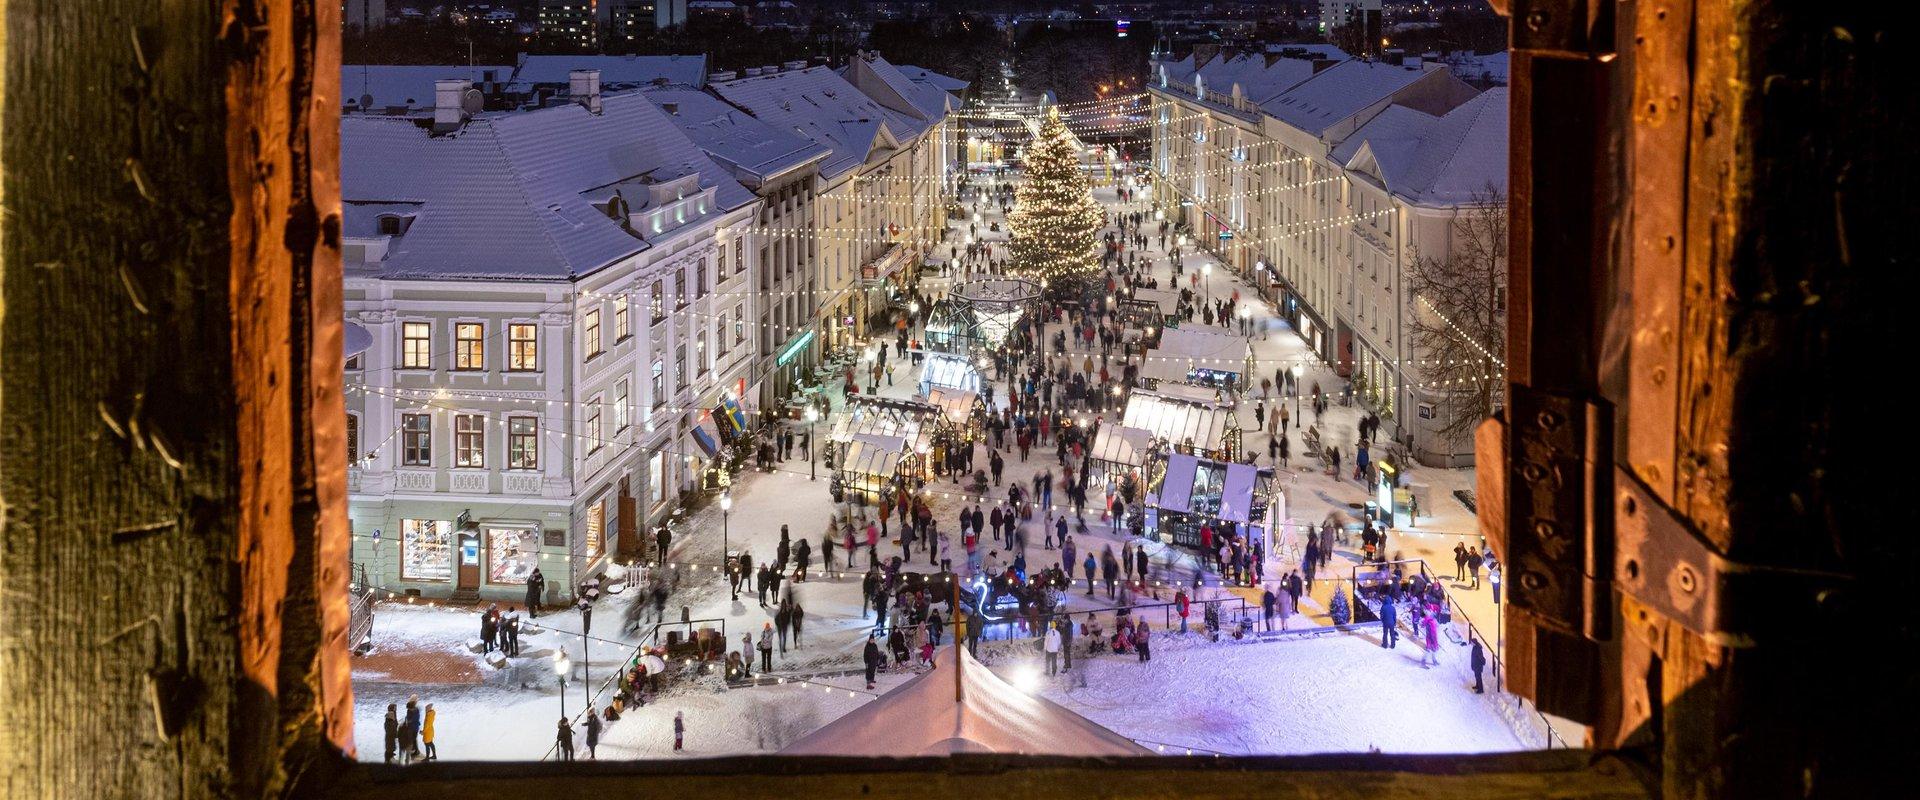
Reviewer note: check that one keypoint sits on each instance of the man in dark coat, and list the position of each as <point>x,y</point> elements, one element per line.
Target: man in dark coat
<point>1478,658</point>
<point>536,587</point>
<point>392,731</point>
<point>873,659</point>
<point>1267,601</point>
<point>489,628</point>
<point>663,538</point>
<point>979,519</point>
<point>1389,623</point>
<point>1295,587</point>
<point>869,591</point>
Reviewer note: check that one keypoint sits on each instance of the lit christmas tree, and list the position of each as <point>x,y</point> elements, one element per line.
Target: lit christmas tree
<point>1055,221</point>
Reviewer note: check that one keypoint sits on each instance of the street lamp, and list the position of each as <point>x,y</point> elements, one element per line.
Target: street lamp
<point>1499,630</point>
<point>813,415</point>
<point>586,667</point>
<point>1297,372</point>
<point>561,666</point>
<point>726,518</point>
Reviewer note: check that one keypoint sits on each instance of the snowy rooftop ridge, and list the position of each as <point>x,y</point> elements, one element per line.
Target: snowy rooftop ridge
<point>1339,92</point>
<point>408,85</point>
<point>512,196</point>
<point>819,104</point>
<point>1443,160</point>
<point>733,136</point>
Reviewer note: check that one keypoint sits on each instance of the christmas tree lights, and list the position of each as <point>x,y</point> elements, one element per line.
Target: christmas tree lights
<point>1055,221</point>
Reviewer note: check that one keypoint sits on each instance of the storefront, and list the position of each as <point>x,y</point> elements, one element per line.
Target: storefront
<point>885,285</point>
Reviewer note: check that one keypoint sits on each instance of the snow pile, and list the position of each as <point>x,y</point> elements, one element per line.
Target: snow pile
<point>923,718</point>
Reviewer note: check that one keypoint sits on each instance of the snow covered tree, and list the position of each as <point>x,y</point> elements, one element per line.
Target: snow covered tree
<point>1056,223</point>
<point>1459,325</point>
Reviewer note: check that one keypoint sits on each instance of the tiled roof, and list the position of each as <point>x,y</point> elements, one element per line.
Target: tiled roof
<point>510,196</point>
<point>819,104</point>
<point>733,136</point>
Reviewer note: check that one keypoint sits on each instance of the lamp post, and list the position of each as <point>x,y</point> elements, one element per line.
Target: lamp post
<point>813,471</point>
<point>726,519</point>
<point>1499,630</point>
<point>561,666</point>
<point>586,668</point>
<point>1297,372</point>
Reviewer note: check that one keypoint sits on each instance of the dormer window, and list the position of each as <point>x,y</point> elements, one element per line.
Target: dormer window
<point>394,224</point>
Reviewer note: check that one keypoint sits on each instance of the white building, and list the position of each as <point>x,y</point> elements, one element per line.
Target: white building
<point>551,298</point>
<point>1262,158</point>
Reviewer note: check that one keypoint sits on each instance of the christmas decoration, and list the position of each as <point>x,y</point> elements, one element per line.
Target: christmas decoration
<point>1055,221</point>
<point>1338,609</point>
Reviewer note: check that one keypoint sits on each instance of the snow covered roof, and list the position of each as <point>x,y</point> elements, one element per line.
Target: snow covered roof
<point>819,104</point>
<point>945,83</point>
<point>1259,80</point>
<point>891,88</point>
<point>1337,93</point>
<point>616,72</point>
<point>921,717</point>
<point>1183,349</point>
<point>1444,160</point>
<point>1177,420</point>
<point>732,136</point>
<point>512,196</point>
<point>407,85</point>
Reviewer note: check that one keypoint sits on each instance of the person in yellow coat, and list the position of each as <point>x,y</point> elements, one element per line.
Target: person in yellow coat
<point>426,735</point>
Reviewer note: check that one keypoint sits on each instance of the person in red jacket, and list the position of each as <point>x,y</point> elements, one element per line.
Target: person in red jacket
<point>1181,603</point>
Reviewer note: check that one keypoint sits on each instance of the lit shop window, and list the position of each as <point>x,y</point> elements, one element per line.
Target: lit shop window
<point>426,551</point>
<point>511,553</point>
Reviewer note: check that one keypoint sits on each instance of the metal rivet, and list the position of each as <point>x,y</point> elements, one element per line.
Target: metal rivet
<point>1545,529</point>
<point>1537,20</point>
<point>1686,579</point>
<point>1534,473</point>
<point>1550,419</point>
<point>1533,580</point>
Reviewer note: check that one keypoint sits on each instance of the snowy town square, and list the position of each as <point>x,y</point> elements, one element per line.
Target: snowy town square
<point>693,418</point>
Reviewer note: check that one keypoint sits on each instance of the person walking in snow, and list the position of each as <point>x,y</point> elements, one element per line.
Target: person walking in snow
<point>1052,646</point>
<point>798,615</point>
<point>1141,639</point>
<point>391,734</point>
<point>873,658</point>
<point>1389,621</point>
<point>1477,658</point>
<point>1474,560</point>
<point>1267,601</point>
<point>593,734</point>
<point>1183,605</point>
<point>564,740</point>
<point>782,620</point>
<point>536,586</point>
<point>679,731</point>
<point>426,735</point>
<point>1459,561</point>
<point>1089,565</point>
<point>766,647</point>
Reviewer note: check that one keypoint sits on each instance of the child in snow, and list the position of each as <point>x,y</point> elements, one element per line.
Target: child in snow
<point>679,731</point>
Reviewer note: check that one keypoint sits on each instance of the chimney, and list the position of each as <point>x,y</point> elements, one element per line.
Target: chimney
<point>583,87</point>
<point>448,112</point>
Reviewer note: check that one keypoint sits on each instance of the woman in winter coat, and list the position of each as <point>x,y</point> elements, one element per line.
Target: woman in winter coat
<point>1430,639</point>
<point>798,615</point>
<point>392,731</point>
<point>564,739</point>
<point>1141,639</point>
<point>426,735</point>
<point>766,648</point>
<point>593,733</point>
<point>1283,606</point>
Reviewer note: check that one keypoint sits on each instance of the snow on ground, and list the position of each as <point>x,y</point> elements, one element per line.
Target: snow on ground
<point>1326,694</point>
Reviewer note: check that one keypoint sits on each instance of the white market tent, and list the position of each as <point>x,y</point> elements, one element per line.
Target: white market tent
<point>1119,444</point>
<point>921,717</point>
<point>1167,299</point>
<point>1184,349</point>
<point>957,404</point>
<point>953,372</point>
<point>873,454</point>
<point>1178,419</point>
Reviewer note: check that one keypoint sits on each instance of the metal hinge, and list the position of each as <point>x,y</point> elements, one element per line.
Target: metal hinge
<point>1560,531</point>
<point>1666,565</point>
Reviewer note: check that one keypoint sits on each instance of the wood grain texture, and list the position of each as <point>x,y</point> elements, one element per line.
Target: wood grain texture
<point>159,231</point>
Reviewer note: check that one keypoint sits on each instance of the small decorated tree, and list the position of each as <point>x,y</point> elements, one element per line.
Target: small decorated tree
<point>1338,609</point>
<point>1055,221</point>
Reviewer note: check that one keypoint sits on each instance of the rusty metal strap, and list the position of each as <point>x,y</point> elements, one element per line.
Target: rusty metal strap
<point>1559,534</point>
<point>1666,565</point>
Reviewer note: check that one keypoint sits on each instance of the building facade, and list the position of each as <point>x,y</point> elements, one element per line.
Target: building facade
<point>549,338</point>
<point>1276,164</point>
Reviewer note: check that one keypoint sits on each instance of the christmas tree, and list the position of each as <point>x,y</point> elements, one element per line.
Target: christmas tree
<point>1055,221</point>
<point>1339,610</point>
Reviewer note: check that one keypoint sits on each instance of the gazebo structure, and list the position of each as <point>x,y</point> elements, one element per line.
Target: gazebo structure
<point>980,314</point>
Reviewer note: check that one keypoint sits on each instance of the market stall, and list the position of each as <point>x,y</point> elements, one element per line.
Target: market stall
<point>1198,356</point>
<point>978,315</point>
<point>1187,424</point>
<point>1119,453</point>
<point>866,466</point>
<point>1187,492</point>
<point>948,371</point>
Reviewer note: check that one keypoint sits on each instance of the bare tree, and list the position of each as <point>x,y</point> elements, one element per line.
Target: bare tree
<point>1459,323</point>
